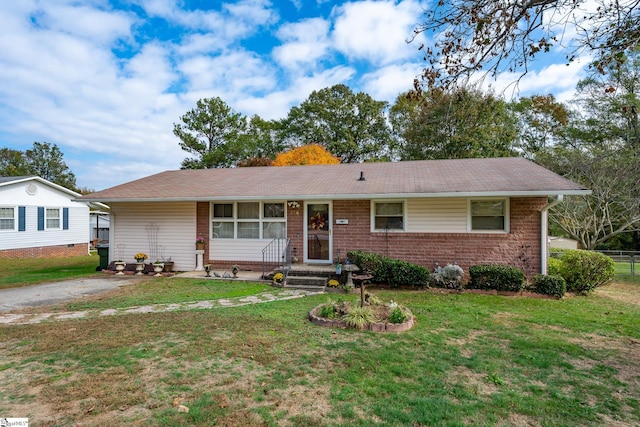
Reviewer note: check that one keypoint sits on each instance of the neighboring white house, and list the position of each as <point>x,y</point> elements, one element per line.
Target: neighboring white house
<point>41,219</point>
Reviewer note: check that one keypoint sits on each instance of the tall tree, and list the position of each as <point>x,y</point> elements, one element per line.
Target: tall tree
<point>210,132</point>
<point>46,161</point>
<point>13,163</point>
<point>495,36</point>
<point>350,125</point>
<point>613,176</point>
<point>599,149</point>
<point>542,122</point>
<point>448,125</point>
<point>612,102</point>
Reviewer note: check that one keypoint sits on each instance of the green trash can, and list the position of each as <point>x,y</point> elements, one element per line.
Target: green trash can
<point>103,253</point>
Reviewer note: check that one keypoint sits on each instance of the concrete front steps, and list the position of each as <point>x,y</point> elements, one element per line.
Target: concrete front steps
<point>310,277</point>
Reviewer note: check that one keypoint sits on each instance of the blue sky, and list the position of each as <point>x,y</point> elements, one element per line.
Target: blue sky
<point>106,79</point>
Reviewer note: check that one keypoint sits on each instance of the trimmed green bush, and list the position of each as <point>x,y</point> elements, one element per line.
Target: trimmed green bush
<point>551,285</point>
<point>495,276</point>
<point>393,272</point>
<point>553,266</point>
<point>585,270</point>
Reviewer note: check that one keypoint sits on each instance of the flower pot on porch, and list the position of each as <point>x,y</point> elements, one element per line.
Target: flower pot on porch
<point>199,246</point>
<point>120,265</point>
<point>168,266</point>
<point>158,267</point>
<point>139,268</point>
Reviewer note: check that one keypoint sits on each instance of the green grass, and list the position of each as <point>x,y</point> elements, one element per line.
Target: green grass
<point>168,290</point>
<point>623,272</point>
<point>31,271</point>
<point>470,359</point>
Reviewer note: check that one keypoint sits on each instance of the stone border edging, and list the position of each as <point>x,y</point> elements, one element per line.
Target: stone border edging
<point>374,327</point>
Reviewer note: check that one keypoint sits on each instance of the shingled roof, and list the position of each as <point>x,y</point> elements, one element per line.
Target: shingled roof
<point>513,176</point>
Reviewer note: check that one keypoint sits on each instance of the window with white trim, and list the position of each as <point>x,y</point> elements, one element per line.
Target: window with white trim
<point>489,215</point>
<point>249,220</point>
<point>53,218</point>
<point>388,215</point>
<point>7,218</point>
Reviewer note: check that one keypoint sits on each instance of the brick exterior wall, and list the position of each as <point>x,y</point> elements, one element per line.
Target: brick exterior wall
<point>59,251</point>
<point>520,247</point>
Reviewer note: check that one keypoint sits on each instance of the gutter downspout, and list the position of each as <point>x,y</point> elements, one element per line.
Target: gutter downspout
<point>544,231</point>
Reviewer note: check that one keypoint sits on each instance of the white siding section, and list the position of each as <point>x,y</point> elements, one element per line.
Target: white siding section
<point>15,195</point>
<point>237,249</point>
<point>437,215</point>
<point>176,223</point>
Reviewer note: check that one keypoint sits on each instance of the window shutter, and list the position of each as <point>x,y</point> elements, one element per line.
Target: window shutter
<point>65,218</point>
<point>22,218</point>
<point>40,218</point>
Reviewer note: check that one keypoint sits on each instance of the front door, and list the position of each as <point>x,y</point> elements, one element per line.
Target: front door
<point>318,242</point>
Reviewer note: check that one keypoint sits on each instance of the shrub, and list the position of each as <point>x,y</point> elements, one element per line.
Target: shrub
<point>393,272</point>
<point>328,311</point>
<point>585,270</point>
<point>398,315</point>
<point>368,262</point>
<point>553,266</point>
<point>498,277</point>
<point>552,285</point>
<point>448,276</point>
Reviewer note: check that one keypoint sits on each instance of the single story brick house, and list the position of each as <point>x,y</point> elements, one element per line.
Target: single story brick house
<point>468,211</point>
<point>40,219</point>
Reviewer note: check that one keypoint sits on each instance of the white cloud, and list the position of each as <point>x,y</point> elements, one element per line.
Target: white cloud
<point>376,31</point>
<point>230,72</point>
<point>554,78</point>
<point>276,105</point>
<point>304,43</point>
<point>388,82</point>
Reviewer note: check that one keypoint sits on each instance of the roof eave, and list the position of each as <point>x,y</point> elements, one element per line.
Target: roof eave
<point>537,193</point>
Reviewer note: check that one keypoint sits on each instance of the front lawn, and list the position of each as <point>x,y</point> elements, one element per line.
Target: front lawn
<point>471,359</point>
<point>30,271</point>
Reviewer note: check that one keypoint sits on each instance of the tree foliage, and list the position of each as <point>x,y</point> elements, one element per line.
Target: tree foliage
<point>42,159</point>
<point>352,126</point>
<point>599,148</point>
<point>211,133</point>
<point>13,163</point>
<point>613,176</point>
<point>495,36</point>
<point>311,154</point>
<point>542,123</point>
<point>446,125</point>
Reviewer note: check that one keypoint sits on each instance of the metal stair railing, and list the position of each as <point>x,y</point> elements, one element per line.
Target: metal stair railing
<point>277,255</point>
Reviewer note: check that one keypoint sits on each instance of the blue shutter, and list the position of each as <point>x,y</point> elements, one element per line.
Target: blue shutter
<point>40,218</point>
<point>65,218</point>
<point>22,218</point>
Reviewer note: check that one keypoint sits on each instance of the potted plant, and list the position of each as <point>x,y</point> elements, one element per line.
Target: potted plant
<point>200,242</point>
<point>120,265</point>
<point>234,271</point>
<point>140,257</point>
<point>277,278</point>
<point>168,265</point>
<point>158,266</point>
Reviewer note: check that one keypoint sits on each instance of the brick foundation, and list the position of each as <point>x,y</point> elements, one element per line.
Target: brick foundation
<point>58,251</point>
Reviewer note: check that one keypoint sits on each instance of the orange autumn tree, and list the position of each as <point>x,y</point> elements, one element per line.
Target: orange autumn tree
<point>312,154</point>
